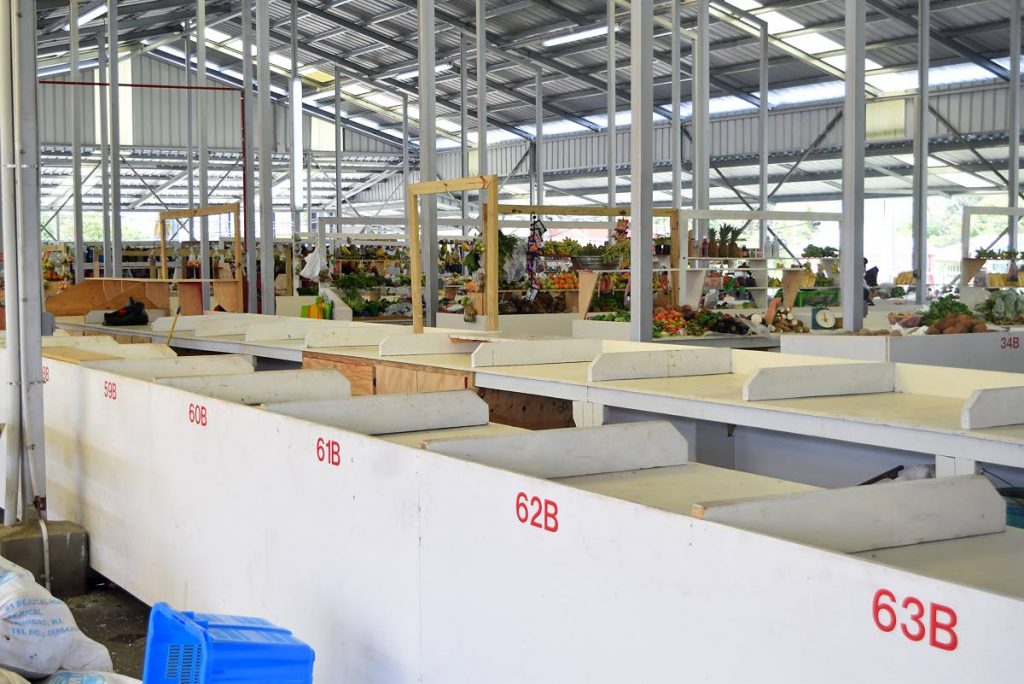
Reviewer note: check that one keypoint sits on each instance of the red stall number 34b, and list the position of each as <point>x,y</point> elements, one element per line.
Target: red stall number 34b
<point>916,619</point>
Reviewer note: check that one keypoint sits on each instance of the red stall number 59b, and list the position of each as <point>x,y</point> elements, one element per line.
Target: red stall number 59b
<point>916,619</point>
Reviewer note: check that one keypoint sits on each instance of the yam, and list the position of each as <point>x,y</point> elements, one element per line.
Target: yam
<point>949,331</point>
<point>933,330</point>
<point>979,328</point>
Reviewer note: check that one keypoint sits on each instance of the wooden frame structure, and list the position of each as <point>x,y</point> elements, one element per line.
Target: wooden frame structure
<point>489,212</point>
<point>229,290</point>
<point>675,238</point>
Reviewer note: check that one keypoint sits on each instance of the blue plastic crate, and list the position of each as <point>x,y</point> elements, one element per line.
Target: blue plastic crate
<point>194,648</point>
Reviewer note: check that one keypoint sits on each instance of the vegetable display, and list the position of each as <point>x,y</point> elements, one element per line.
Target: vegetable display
<point>944,307</point>
<point>1005,307</point>
<point>815,252</point>
<point>957,324</point>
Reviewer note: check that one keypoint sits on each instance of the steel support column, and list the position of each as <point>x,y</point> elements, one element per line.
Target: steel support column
<point>481,92</point>
<point>676,137</point>
<point>248,170</point>
<point>405,151</point>
<point>538,140</point>
<point>265,126</point>
<point>204,153</point>
<point>464,121</point>
<point>295,141</point>
<point>26,137</point>
<point>104,152</point>
<point>115,143</point>
<point>339,147</point>
<point>762,139</point>
<point>190,137</point>
<point>701,165</point>
<point>921,116</point>
<point>612,98</point>
<point>851,237</point>
<point>428,144</point>
<point>1013,119</point>
<point>641,159</point>
<point>76,144</point>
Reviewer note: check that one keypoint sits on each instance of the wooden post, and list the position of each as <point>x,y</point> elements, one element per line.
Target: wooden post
<point>676,243</point>
<point>492,265</point>
<point>413,229</point>
<point>162,228</point>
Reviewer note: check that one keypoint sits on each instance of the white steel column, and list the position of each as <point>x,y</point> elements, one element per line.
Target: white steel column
<point>115,143</point>
<point>101,76</point>
<point>1013,119</point>
<point>701,166</point>
<point>611,128</point>
<point>464,121</point>
<point>266,151</point>
<point>920,204</point>
<point>201,135</point>
<point>538,142</point>
<point>851,240</point>
<point>189,136</point>
<point>295,143</point>
<point>26,137</point>
<point>339,147</point>
<point>641,162</point>
<point>676,137</point>
<point>8,212</point>
<point>76,143</point>
<point>481,91</point>
<point>248,172</point>
<point>428,146</point>
<point>762,140</point>
<point>406,180</point>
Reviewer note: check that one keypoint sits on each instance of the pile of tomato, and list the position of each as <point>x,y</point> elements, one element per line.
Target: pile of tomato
<point>668,322</point>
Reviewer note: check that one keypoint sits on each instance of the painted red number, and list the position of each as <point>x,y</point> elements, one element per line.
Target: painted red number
<point>46,374</point>
<point>197,415</point>
<point>328,451</point>
<point>1009,343</point>
<point>935,621</point>
<point>545,512</point>
<point>109,389</point>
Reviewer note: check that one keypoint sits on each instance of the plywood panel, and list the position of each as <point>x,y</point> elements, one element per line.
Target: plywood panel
<point>526,410</point>
<point>361,376</point>
<point>396,380</point>
<point>429,381</point>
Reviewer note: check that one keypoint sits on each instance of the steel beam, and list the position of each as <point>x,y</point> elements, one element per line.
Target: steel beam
<point>642,170</point>
<point>851,236</point>
<point>920,185</point>
<point>428,155</point>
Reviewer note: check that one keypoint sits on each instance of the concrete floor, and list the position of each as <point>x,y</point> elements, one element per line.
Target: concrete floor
<point>117,620</point>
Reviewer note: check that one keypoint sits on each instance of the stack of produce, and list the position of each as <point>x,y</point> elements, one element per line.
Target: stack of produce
<point>561,281</point>
<point>815,252</point>
<point>904,278</point>
<point>784,322</point>
<point>1005,307</point>
<point>954,324</point>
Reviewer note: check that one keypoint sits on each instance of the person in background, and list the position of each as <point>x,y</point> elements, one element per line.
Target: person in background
<point>870,282</point>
